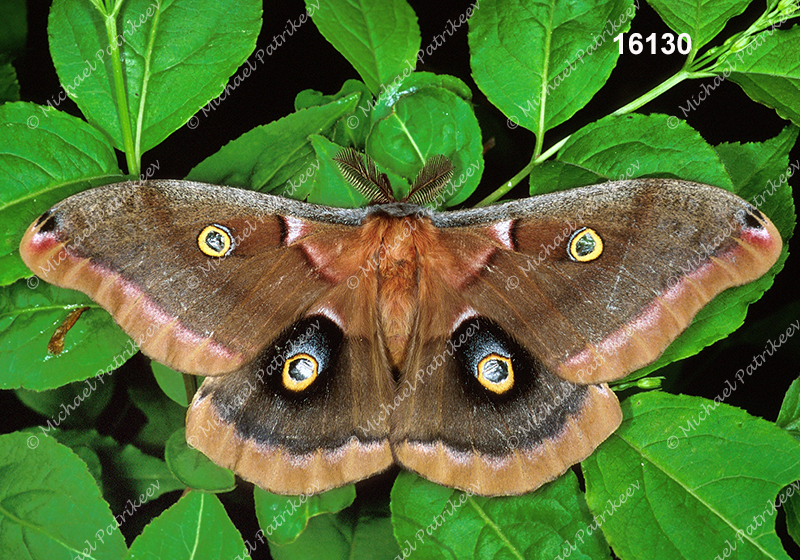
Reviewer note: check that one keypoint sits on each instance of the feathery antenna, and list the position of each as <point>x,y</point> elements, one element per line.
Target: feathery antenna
<point>361,172</point>
<point>431,180</point>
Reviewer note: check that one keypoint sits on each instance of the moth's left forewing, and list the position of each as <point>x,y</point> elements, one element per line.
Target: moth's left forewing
<point>665,249</point>
<point>135,248</point>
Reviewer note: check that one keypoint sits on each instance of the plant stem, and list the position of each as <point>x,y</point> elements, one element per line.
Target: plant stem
<point>653,93</point>
<point>630,107</point>
<point>511,183</point>
<point>508,185</point>
<point>131,157</point>
<point>693,68</point>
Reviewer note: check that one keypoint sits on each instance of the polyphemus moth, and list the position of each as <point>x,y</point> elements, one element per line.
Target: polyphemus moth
<point>470,346</point>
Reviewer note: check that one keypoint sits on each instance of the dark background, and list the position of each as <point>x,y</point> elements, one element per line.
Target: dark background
<point>306,60</point>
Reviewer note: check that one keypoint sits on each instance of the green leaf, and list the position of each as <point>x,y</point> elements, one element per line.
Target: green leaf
<point>383,105</point>
<point>13,28</point>
<point>328,185</point>
<point>357,532</point>
<point>127,476</point>
<point>380,39</point>
<point>643,146</point>
<point>28,318</point>
<point>283,518</point>
<point>135,473</point>
<point>87,454</point>
<point>353,129</point>
<point>78,403</point>
<point>349,130</point>
<point>271,158</point>
<point>523,52</point>
<point>792,509</point>
<point>177,55</point>
<point>768,70</point>
<point>193,468</point>
<point>431,521</point>
<point>9,86</point>
<point>706,471</point>
<point>761,336</point>
<point>195,528</point>
<point>554,176</point>
<point>164,416</point>
<point>171,382</point>
<point>45,156</point>
<point>772,325</point>
<point>50,507</point>
<point>12,269</point>
<point>428,122</point>
<point>312,98</point>
<point>789,416</point>
<point>701,19</point>
<point>759,170</point>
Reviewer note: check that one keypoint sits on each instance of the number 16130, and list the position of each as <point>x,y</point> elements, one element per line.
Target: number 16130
<point>635,45</point>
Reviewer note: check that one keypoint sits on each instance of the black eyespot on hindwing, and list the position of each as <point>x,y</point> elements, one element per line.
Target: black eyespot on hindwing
<point>500,379</point>
<point>274,398</point>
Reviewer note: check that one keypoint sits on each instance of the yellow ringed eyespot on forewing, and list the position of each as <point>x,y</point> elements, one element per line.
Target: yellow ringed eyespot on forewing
<point>585,245</point>
<point>215,240</point>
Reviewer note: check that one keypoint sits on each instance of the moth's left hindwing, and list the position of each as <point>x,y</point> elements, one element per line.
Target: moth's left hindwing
<point>302,417</point>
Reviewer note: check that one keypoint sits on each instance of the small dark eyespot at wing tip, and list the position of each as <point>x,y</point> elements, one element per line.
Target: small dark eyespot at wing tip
<point>754,219</point>
<point>46,222</point>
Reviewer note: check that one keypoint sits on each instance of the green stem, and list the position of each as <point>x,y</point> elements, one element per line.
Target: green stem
<point>630,107</point>
<point>653,93</point>
<point>702,67</point>
<point>511,183</point>
<point>190,386</point>
<point>131,157</point>
<point>508,185</point>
